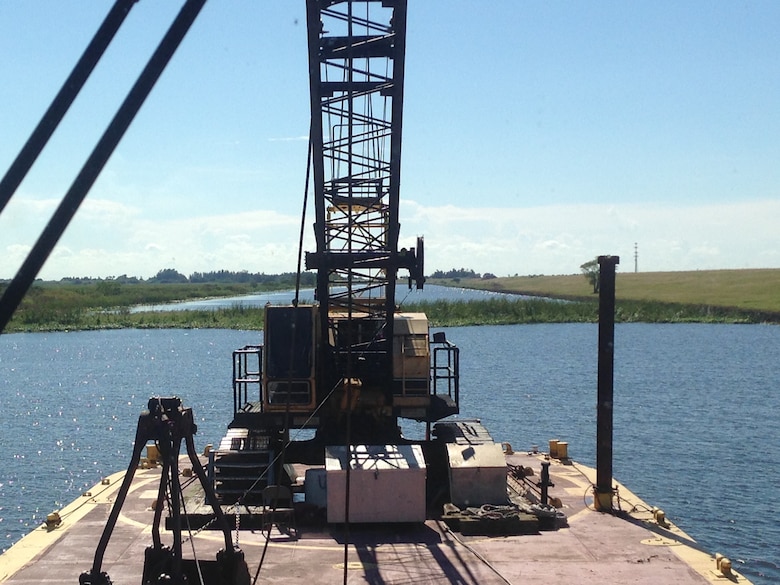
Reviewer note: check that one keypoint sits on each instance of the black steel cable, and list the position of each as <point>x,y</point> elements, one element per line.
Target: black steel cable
<point>350,276</point>
<point>303,220</point>
<point>191,539</point>
<point>476,553</point>
<point>63,100</point>
<point>13,295</point>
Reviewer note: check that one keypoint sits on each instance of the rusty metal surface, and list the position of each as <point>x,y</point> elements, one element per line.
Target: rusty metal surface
<point>593,548</point>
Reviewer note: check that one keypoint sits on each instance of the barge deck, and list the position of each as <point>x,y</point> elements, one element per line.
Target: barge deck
<point>591,547</point>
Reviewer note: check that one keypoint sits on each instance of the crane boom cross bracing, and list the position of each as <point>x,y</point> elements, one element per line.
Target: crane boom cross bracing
<point>351,364</point>
<point>356,69</point>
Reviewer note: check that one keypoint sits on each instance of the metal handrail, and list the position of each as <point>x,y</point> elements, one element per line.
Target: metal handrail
<point>246,374</point>
<point>445,369</point>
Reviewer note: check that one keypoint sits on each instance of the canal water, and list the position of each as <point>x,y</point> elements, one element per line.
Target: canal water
<point>403,295</point>
<point>696,426</point>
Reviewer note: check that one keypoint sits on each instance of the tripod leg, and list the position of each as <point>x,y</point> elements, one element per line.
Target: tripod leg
<point>142,435</point>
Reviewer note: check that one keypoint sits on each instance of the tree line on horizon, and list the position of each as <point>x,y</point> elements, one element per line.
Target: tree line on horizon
<point>458,273</point>
<point>173,276</point>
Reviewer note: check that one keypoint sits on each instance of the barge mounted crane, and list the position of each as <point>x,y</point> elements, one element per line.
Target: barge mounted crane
<point>355,497</point>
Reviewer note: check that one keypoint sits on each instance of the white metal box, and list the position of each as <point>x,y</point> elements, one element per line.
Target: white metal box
<point>477,474</point>
<point>387,483</point>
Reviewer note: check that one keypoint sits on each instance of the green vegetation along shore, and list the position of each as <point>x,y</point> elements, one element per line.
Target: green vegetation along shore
<point>721,296</point>
<point>731,296</point>
<point>757,289</point>
<point>106,304</point>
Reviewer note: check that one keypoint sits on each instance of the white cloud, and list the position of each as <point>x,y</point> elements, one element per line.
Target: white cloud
<point>556,239</point>
<point>302,138</point>
<point>106,210</point>
<point>552,245</point>
<point>108,238</point>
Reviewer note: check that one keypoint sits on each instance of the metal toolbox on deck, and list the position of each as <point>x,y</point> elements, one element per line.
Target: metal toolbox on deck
<point>387,483</point>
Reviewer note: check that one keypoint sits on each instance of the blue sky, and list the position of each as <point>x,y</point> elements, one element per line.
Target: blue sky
<point>537,135</point>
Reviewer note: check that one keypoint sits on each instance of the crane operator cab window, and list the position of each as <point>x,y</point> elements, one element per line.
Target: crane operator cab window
<point>289,357</point>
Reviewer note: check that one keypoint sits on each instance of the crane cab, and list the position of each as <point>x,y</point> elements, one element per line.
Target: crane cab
<point>294,373</point>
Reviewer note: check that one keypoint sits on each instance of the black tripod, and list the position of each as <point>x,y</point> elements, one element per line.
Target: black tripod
<point>168,423</point>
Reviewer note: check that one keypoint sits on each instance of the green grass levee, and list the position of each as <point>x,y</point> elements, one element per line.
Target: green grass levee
<point>752,289</point>
<point>718,296</point>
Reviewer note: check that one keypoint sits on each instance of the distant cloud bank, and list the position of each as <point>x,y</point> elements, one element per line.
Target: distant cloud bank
<point>109,239</point>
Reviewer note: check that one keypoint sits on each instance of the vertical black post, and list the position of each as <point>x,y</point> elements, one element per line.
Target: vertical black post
<point>545,484</point>
<point>603,495</point>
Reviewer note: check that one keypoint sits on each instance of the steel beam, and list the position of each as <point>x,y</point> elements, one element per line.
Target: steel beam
<point>89,173</point>
<point>606,356</point>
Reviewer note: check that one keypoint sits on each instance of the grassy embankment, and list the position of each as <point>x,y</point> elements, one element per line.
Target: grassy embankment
<point>726,296</point>
<point>54,306</point>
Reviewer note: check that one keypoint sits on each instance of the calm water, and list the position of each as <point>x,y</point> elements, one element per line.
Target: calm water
<point>696,430</point>
<point>402,295</point>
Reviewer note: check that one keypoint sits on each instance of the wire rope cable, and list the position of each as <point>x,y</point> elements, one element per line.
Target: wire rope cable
<point>191,539</point>
<point>476,554</point>
<point>298,270</point>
